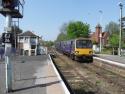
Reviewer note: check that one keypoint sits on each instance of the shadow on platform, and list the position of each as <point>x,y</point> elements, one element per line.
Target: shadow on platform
<point>35,86</point>
<point>33,78</point>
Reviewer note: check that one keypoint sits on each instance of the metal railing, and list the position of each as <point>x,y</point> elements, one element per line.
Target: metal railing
<point>20,6</point>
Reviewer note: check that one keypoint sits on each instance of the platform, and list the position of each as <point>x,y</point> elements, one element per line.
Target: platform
<point>112,59</point>
<point>36,75</point>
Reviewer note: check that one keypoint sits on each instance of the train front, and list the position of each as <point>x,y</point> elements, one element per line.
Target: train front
<point>83,49</point>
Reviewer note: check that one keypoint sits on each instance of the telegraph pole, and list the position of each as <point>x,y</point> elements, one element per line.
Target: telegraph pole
<point>120,33</point>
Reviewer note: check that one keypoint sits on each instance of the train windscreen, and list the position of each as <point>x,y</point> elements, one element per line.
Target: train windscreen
<point>83,44</point>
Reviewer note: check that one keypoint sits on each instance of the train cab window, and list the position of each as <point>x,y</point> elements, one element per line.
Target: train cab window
<point>83,44</point>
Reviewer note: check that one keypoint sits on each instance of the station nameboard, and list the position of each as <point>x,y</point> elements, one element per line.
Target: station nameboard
<point>7,37</point>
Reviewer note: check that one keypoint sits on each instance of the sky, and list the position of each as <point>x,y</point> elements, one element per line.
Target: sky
<point>45,17</point>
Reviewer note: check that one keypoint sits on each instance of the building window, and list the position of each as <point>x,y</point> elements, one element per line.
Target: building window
<point>33,40</point>
<point>32,52</point>
<point>33,46</point>
<point>26,39</point>
<point>21,39</point>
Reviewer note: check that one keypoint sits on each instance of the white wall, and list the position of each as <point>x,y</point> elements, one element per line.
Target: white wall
<point>95,48</point>
<point>27,43</point>
<point>26,46</point>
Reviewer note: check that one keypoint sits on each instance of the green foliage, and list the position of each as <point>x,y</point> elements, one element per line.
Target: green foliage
<point>106,50</point>
<point>114,40</point>
<point>112,28</point>
<point>73,30</point>
<point>61,37</point>
<point>63,33</point>
<point>123,39</point>
<point>63,28</point>
<point>48,43</point>
<point>123,44</point>
<point>94,41</point>
<point>77,29</point>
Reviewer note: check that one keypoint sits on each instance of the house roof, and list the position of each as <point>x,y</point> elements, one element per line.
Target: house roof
<point>104,34</point>
<point>27,33</point>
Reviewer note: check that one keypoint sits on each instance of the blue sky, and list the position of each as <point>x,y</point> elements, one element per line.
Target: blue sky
<point>45,17</point>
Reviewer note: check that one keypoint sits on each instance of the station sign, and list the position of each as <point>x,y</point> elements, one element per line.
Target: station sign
<point>7,37</point>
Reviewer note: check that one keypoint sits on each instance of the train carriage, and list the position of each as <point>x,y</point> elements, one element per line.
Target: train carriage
<point>80,48</point>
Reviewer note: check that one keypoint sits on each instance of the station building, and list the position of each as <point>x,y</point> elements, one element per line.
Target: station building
<point>28,43</point>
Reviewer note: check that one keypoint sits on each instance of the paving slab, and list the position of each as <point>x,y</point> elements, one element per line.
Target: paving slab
<point>2,77</point>
<point>35,75</point>
<point>115,58</point>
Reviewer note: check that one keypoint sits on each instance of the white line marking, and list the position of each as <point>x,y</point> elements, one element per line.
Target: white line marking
<point>111,62</point>
<point>58,75</point>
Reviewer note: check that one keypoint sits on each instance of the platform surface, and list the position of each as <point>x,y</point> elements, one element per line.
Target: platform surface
<point>115,58</point>
<point>35,75</point>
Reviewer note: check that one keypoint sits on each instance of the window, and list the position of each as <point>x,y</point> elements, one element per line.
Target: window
<point>33,40</point>
<point>33,46</point>
<point>83,44</point>
<point>21,39</point>
<point>26,39</point>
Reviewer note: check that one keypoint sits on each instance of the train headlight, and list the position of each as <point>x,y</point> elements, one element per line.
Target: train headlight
<point>90,52</point>
<point>76,52</point>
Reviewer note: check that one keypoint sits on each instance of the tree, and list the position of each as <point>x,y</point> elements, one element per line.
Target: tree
<point>73,30</point>
<point>77,29</point>
<point>63,33</point>
<point>112,28</point>
<point>63,28</point>
<point>114,42</point>
<point>48,43</point>
<point>61,37</point>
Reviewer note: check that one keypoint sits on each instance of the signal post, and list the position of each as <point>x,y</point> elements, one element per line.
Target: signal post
<point>9,9</point>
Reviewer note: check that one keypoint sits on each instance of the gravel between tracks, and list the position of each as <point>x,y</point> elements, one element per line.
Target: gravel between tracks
<point>86,78</point>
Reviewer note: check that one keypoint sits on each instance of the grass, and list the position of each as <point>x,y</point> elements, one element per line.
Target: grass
<point>106,51</point>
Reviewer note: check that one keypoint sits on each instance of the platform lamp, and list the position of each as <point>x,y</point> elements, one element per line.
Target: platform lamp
<point>120,33</point>
<point>100,35</point>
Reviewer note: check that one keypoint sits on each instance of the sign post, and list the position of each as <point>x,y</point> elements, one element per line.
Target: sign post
<point>10,9</point>
<point>7,40</point>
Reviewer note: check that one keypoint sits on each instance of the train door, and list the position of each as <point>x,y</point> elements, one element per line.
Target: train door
<point>72,50</point>
<point>72,46</point>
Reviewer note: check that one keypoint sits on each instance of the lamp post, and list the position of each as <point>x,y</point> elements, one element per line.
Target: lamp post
<point>120,33</point>
<point>100,35</point>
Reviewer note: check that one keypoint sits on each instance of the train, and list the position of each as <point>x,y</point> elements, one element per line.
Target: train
<point>77,49</point>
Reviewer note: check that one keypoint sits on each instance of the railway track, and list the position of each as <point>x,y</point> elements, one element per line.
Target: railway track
<point>88,78</point>
<point>109,76</point>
